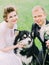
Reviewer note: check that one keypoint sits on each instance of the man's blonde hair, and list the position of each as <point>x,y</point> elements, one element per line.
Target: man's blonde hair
<point>37,8</point>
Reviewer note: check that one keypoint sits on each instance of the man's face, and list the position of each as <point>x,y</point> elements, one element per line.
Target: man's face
<point>39,17</point>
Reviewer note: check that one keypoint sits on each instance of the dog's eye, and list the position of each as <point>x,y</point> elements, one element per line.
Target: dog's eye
<point>29,35</point>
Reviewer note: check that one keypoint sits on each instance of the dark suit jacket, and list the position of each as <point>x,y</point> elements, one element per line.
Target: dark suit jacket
<point>35,33</point>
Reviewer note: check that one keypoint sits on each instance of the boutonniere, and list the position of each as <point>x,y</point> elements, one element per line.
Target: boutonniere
<point>46,32</point>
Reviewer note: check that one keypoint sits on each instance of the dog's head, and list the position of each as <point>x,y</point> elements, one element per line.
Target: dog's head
<point>26,53</point>
<point>25,37</point>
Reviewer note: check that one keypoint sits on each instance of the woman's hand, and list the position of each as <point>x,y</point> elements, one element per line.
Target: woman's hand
<point>20,44</point>
<point>47,44</point>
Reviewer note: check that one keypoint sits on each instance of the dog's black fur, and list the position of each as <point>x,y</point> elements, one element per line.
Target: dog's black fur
<point>28,52</point>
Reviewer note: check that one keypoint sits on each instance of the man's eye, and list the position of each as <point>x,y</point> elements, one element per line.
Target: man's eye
<point>40,16</point>
<point>35,16</point>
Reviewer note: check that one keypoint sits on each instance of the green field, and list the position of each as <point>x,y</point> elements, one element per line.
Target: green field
<point>24,8</point>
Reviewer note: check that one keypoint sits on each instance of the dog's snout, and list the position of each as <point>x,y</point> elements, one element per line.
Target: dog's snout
<point>29,41</point>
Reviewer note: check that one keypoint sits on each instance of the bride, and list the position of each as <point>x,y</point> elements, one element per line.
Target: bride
<point>7,35</point>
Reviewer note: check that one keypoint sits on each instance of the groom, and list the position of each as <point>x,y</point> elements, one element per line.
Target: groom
<point>39,17</point>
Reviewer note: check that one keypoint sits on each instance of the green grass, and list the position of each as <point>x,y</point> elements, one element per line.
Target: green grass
<point>24,8</point>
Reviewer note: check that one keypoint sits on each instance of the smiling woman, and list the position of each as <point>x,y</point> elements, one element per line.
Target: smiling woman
<point>7,37</point>
<point>10,17</point>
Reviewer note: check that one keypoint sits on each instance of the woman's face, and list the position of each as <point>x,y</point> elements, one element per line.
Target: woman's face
<point>12,18</point>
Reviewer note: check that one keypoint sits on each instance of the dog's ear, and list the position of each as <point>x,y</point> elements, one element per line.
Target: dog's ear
<point>16,32</point>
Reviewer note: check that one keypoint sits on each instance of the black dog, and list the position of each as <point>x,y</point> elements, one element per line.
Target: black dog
<point>29,53</point>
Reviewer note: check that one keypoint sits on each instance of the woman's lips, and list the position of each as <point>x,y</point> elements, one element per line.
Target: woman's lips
<point>14,21</point>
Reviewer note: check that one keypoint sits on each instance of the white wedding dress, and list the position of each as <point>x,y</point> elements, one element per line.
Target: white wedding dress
<point>6,39</point>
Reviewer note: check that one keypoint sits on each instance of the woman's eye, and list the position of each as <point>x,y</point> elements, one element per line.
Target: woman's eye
<point>15,15</point>
<point>10,17</point>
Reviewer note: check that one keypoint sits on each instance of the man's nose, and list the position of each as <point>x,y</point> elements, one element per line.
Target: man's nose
<point>37,18</point>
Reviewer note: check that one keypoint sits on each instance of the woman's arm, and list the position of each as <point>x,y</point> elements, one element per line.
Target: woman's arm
<point>6,49</point>
<point>3,44</point>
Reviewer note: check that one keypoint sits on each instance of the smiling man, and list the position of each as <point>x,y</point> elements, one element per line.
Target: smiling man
<point>39,17</point>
